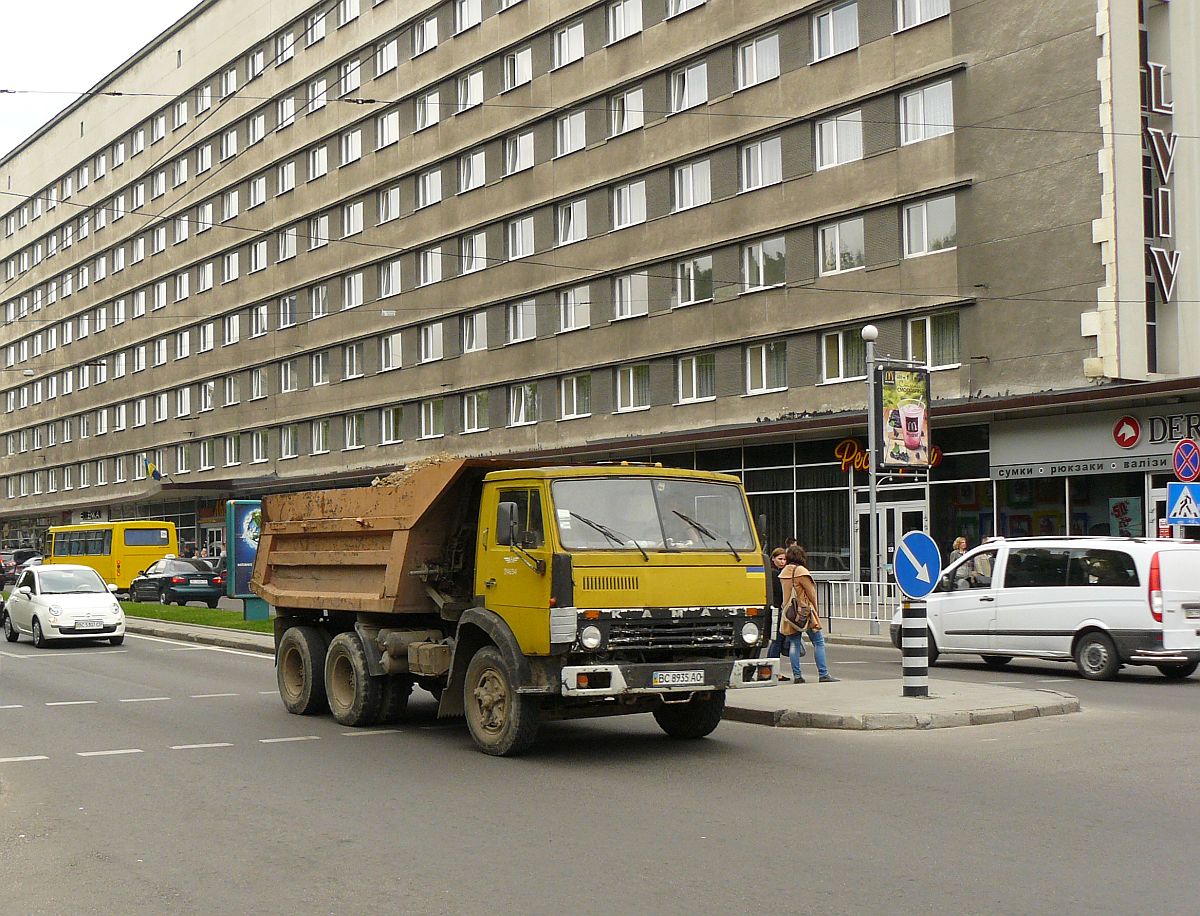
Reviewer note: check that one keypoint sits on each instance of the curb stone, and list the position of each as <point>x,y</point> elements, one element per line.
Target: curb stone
<point>213,637</point>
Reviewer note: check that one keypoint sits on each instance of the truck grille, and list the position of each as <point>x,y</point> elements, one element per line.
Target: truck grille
<point>670,634</point>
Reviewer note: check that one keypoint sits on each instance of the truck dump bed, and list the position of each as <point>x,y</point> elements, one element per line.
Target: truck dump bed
<point>356,549</point>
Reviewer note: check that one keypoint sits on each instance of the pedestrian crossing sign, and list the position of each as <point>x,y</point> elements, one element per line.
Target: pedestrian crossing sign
<point>1183,503</point>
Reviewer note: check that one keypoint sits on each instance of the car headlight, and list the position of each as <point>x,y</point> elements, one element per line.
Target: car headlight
<point>55,610</point>
<point>750,633</point>
<point>591,637</point>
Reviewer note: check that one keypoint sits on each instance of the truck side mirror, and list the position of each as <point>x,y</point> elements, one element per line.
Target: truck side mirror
<point>762,527</point>
<point>506,524</point>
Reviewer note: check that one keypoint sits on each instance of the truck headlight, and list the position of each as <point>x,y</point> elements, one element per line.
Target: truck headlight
<point>750,633</point>
<point>591,637</point>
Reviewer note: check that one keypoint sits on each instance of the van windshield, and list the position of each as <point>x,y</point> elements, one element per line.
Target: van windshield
<point>650,513</point>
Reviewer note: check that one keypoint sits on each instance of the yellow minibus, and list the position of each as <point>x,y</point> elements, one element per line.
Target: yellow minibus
<point>116,550</point>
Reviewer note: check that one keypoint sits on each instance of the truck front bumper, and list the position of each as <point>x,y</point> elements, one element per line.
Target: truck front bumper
<point>668,678</point>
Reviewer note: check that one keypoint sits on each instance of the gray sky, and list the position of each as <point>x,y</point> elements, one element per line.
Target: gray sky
<point>64,46</point>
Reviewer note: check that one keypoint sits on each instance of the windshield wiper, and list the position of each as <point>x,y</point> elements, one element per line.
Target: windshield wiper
<point>615,536</point>
<point>705,532</point>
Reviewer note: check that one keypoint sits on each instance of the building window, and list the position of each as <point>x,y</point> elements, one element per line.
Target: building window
<point>389,204</point>
<point>285,113</point>
<point>835,30</point>
<point>475,412</point>
<point>571,133</point>
<point>258,383</point>
<point>386,57</point>
<point>314,28</point>
<point>572,222</point>
<point>352,219</point>
<point>764,264</point>
<point>351,146</point>
<point>428,109</point>
<point>915,12</point>
<point>352,291</point>
<point>842,246</point>
<point>523,404</point>
<point>758,61</point>
<point>629,204</point>
<point>318,95</point>
<point>518,152</point>
<point>470,90</point>
<point>289,441</point>
<point>233,450</point>
<point>689,86</point>
<point>391,425</point>
<point>258,446</point>
<point>429,188</point>
<point>433,420</point>
<point>467,13</point>
<point>318,231</point>
<point>319,366</point>
<point>287,241</point>
<point>285,47</point>
<point>691,185</point>
<point>926,113</point>
<point>761,163</point>
<point>844,356</point>
<point>389,279</point>
<point>320,436</point>
<point>318,161</point>
<point>352,361</point>
<point>474,332</point>
<point>930,226</point>
<point>624,19</point>
<point>697,378</point>
<point>568,44</point>
<point>630,295</point>
<point>625,111</point>
<point>425,35</point>
<point>766,367</point>
<point>518,68</point>
<point>473,252</point>
<point>575,396</point>
<point>347,11</point>
<point>471,171</point>
<point>389,351</point>
<point>633,387</point>
<point>318,298</point>
<point>933,340</point>
<point>839,139</point>
<point>574,308</point>
<point>694,280</point>
<point>429,265</point>
<point>431,342</point>
<point>520,321</point>
<point>287,310</point>
<point>355,427</point>
<point>520,237</point>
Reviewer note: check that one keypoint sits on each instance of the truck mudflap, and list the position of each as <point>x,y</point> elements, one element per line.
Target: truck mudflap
<point>667,678</point>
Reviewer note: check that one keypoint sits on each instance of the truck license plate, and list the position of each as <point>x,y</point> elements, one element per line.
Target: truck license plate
<point>88,624</point>
<point>677,679</point>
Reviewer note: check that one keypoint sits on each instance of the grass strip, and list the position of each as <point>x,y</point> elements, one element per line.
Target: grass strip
<point>209,617</point>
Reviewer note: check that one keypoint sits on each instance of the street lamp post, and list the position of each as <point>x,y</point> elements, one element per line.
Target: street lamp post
<point>869,335</point>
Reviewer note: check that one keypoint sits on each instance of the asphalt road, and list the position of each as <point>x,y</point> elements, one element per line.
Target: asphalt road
<point>167,778</point>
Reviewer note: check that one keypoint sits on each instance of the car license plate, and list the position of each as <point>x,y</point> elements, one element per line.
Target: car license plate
<point>198,582</point>
<point>1191,611</point>
<point>88,624</point>
<point>677,679</point>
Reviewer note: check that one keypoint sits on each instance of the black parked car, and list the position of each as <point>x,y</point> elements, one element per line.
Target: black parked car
<point>174,580</point>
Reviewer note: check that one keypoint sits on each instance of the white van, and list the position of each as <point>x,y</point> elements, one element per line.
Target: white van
<point>1101,602</point>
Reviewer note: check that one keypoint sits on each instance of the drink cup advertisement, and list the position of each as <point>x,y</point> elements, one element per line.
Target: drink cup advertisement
<point>903,401</point>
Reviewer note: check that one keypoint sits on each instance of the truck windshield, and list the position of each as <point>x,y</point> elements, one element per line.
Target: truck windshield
<point>651,514</point>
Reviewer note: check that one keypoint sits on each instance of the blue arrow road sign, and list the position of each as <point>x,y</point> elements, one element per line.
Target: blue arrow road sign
<point>1183,503</point>
<point>918,564</point>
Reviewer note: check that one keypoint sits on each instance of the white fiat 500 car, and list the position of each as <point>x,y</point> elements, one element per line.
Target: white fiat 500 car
<point>62,602</point>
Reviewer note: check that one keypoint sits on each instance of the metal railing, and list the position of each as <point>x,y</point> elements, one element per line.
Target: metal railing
<point>846,600</point>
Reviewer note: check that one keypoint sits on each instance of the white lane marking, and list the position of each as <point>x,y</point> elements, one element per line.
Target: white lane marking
<point>73,703</point>
<point>1005,683</point>
<point>1054,680</point>
<point>840,662</point>
<point>267,692</point>
<point>124,750</point>
<point>78,653</point>
<point>269,656</point>
<point>13,706</point>
<point>144,700</point>
<point>194,747</point>
<point>297,738</point>
<point>22,759</point>
<point>189,648</point>
<point>209,696</point>
<point>374,731</point>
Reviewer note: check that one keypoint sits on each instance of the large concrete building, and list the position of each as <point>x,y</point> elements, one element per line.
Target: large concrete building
<point>289,243</point>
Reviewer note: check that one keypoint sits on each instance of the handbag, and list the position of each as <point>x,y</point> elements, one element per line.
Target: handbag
<point>796,617</point>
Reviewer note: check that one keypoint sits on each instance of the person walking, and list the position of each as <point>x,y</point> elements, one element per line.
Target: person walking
<point>778,561</point>
<point>796,579</point>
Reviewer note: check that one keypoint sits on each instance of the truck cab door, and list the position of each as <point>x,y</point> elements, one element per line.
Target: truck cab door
<point>514,579</point>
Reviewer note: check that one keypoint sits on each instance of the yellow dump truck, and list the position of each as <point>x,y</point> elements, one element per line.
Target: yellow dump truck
<point>517,595</point>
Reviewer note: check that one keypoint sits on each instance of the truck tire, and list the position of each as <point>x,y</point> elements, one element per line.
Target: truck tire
<point>393,704</point>
<point>300,671</point>
<point>354,695</point>
<point>693,719</point>
<point>502,722</point>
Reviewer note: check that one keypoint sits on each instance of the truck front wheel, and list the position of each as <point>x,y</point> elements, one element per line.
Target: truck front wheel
<point>693,719</point>
<point>354,696</point>
<point>502,722</point>
<point>299,670</point>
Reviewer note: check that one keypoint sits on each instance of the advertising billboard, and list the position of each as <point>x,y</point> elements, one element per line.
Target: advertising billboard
<point>902,402</point>
<point>243,525</point>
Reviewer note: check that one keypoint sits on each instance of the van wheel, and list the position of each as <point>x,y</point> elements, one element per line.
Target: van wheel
<point>502,722</point>
<point>300,669</point>
<point>997,661</point>
<point>693,719</point>
<point>933,651</point>
<point>1096,657</point>
<point>1179,672</point>
<point>354,695</point>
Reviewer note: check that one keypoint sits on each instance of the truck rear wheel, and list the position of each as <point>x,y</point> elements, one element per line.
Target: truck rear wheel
<point>693,719</point>
<point>299,670</point>
<point>354,696</point>
<point>393,704</point>
<point>502,722</point>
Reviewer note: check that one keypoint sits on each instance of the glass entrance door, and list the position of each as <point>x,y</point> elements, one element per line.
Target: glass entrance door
<point>895,521</point>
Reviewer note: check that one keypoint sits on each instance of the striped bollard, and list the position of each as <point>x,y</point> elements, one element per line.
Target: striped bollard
<point>914,648</point>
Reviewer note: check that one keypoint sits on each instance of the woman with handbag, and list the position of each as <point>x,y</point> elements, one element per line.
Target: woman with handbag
<point>801,615</point>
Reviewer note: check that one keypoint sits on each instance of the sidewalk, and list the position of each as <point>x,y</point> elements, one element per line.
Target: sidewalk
<point>850,704</point>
